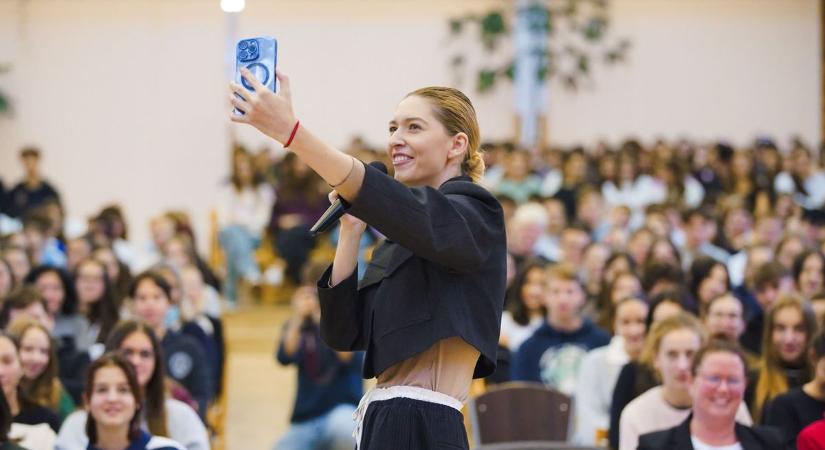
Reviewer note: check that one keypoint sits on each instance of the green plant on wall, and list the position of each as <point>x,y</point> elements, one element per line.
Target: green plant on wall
<point>5,105</point>
<point>577,39</point>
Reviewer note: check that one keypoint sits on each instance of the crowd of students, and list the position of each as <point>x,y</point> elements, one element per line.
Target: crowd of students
<point>664,247</point>
<point>625,263</point>
<point>92,356</point>
<point>629,262</point>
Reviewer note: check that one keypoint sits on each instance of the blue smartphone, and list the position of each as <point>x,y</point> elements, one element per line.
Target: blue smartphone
<point>259,55</point>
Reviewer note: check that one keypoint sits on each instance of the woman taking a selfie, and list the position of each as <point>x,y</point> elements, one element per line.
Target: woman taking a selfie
<point>428,309</point>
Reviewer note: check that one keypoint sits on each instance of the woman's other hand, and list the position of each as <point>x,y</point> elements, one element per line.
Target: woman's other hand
<point>270,112</point>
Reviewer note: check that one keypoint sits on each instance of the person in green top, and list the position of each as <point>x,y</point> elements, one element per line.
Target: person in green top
<point>38,358</point>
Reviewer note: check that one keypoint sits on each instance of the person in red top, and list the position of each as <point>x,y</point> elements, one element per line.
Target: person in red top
<point>812,437</point>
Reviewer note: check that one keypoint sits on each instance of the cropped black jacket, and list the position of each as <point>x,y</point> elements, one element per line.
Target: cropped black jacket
<point>440,273</point>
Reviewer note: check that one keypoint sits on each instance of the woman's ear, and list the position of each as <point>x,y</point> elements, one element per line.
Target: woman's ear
<point>459,146</point>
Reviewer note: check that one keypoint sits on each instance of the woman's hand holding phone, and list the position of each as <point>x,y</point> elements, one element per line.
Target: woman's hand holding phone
<point>270,112</point>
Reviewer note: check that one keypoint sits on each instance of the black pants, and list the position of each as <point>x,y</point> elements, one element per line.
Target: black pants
<point>406,424</point>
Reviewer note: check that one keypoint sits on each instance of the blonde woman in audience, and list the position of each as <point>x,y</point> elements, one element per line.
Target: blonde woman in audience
<point>160,414</point>
<point>789,327</point>
<point>114,402</point>
<point>671,346</point>
<point>600,368</point>
<point>39,423</point>
<point>525,305</point>
<point>38,360</point>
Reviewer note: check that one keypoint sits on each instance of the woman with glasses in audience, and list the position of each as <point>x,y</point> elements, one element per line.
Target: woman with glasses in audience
<point>38,360</point>
<point>160,414</point>
<point>114,401</point>
<point>717,386</point>
<point>671,346</point>
<point>789,327</point>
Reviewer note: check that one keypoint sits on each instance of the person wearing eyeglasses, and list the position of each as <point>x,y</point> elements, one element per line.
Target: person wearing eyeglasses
<point>717,388</point>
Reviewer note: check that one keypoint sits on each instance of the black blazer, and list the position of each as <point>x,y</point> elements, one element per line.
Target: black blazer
<point>440,273</point>
<point>678,438</point>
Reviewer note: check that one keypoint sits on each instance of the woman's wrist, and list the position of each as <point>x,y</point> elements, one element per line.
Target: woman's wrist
<point>353,231</point>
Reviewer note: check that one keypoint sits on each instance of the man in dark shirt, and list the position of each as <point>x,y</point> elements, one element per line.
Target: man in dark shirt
<point>329,382</point>
<point>552,355</point>
<point>33,190</point>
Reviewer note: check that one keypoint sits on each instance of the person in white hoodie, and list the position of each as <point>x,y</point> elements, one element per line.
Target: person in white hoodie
<point>600,369</point>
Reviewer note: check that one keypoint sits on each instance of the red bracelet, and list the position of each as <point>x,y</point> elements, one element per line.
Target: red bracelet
<point>292,135</point>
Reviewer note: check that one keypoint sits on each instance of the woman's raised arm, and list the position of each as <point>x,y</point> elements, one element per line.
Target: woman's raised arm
<point>272,114</point>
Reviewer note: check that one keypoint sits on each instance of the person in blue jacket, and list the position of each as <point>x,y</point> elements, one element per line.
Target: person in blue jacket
<point>552,355</point>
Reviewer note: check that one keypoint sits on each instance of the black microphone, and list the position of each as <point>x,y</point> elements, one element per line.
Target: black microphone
<point>338,208</point>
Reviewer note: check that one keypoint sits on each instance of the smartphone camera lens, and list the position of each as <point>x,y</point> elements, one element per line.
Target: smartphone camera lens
<point>243,45</point>
<point>243,55</point>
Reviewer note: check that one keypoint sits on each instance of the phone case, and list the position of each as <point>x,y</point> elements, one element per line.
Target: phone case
<point>259,55</point>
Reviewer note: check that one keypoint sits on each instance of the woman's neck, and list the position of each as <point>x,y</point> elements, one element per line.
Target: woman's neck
<point>814,389</point>
<point>14,404</point>
<point>112,438</point>
<point>160,331</point>
<point>632,352</point>
<point>677,398</point>
<point>712,432</point>
<point>533,313</point>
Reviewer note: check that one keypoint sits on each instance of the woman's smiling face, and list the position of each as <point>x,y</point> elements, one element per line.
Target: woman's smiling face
<point>422,152</point>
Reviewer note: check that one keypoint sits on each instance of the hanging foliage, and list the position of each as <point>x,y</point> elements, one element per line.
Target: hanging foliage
<point>577,33</point>
<point>5,104</point>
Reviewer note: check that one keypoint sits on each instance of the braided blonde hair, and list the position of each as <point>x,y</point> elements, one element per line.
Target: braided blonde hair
<point>455,111</point>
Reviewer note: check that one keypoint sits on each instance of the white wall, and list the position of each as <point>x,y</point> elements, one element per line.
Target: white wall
<point>128,98</point>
